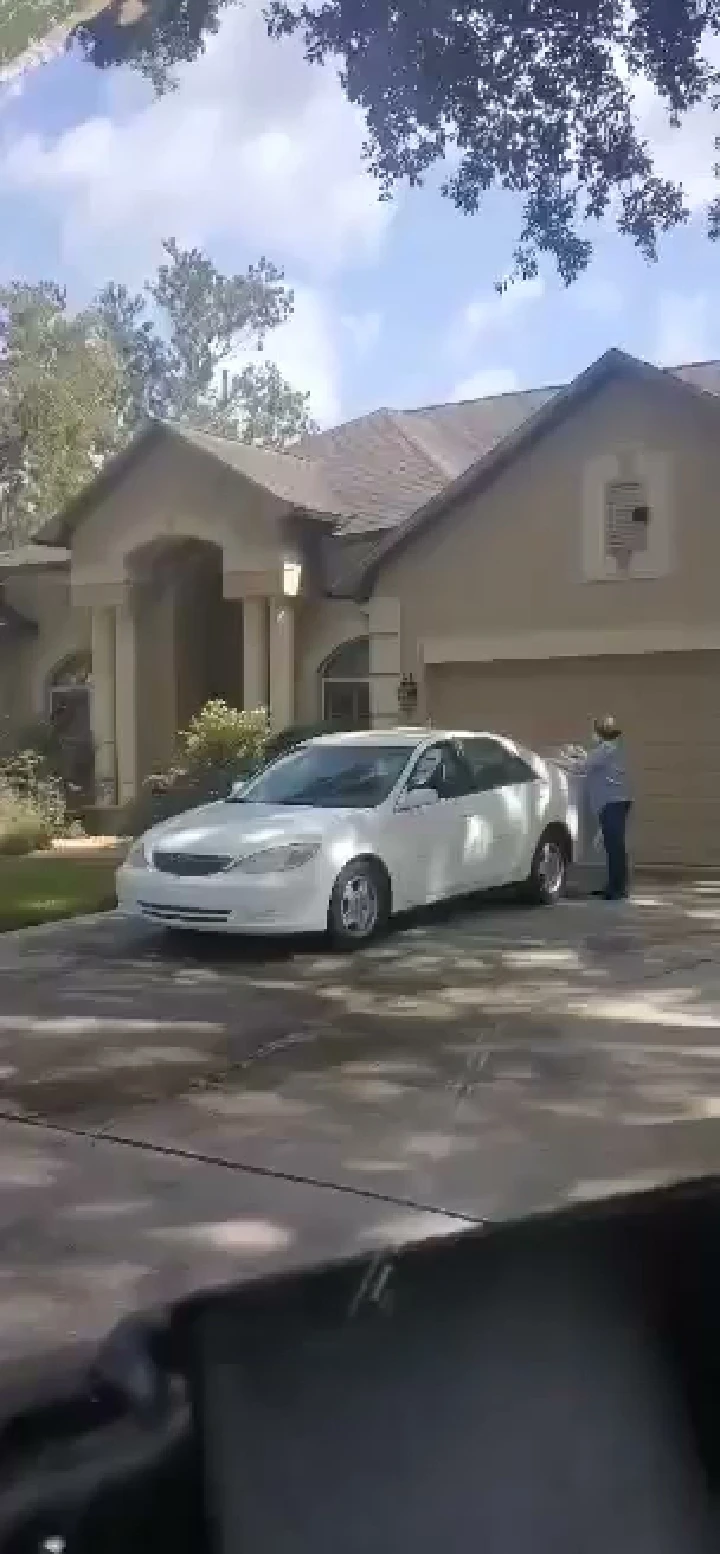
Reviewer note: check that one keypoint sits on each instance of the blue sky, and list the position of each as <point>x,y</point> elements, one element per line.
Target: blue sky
<point>258,153</point>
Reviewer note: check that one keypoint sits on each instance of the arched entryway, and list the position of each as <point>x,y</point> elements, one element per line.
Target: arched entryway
<point>70,722</point>
<point>188,642</point>
<point>345,685</point>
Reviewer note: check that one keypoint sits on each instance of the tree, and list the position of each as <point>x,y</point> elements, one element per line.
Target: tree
<point>534,96</point>
<point>259,406</point>
<point>60,397</point>
<point>29,25</point>
<point>174,371</point>
<point>74,388</point>
<point>159,35</point>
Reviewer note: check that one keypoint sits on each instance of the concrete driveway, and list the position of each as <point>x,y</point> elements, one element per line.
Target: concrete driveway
<point>181,1113</point>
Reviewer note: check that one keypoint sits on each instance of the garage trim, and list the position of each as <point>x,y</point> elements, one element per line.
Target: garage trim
<point>569,644</point>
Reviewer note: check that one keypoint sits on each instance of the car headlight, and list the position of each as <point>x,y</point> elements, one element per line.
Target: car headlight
<point>137,857</point>
<point>276,860</point>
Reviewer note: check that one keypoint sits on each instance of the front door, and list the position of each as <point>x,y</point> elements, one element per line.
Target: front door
<point>431,840</point>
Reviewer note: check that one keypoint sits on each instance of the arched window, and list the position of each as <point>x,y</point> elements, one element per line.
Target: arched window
<point>345,685</point>
<point>72,672</point>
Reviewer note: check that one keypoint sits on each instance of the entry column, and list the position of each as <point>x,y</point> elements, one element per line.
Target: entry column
<point>255,653</point>
<point>282,663</point>
<point>126,699</point>
<point>102,640</point>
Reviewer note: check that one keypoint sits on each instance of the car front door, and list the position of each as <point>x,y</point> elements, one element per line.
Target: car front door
<point>430,840</point>
<point>503,833</point>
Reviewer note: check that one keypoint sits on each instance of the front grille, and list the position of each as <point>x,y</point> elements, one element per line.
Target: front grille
<point>195,917</point>
<point>184,864</point>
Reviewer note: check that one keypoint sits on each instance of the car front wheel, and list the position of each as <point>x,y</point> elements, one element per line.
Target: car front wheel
<point>360,904</point>
<point>548,874</point>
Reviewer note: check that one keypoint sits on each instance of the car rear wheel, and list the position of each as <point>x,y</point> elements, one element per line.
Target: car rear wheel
<point>360,904</point>
<point>548,874</point>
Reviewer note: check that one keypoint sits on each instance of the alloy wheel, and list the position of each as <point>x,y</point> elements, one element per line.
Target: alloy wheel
<point>359,906</point>
<point>551,868</point>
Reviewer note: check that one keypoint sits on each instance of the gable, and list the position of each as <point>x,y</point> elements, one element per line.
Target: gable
<point>511,556</point>
<point>563,407</point>
<point>173,491</point>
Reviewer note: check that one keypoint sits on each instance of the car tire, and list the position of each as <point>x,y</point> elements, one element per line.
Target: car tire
<point>359,908</point>
<point>548,873</point>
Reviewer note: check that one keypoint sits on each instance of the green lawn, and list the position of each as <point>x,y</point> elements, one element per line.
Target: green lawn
<point>42,889</point>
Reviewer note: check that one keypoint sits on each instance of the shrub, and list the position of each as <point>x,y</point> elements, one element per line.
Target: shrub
<point>223,736</point>
<point>32,803</point>
<point>23,827</point>
<point>221,745</point>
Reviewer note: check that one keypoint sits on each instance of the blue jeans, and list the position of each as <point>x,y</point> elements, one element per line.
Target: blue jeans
<point>613,821</point>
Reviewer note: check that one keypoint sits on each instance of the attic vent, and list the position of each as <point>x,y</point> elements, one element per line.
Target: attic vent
<point>627,521</point>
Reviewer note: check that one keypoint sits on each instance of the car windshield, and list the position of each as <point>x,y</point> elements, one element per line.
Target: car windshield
<point>343,776</point>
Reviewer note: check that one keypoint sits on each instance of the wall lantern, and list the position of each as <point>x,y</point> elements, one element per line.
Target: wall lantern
<point>292,575</point>
<point>408,696</point>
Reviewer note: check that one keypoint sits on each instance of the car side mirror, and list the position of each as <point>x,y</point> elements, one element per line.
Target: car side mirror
<point>416,798</point>
<point>239,787</point>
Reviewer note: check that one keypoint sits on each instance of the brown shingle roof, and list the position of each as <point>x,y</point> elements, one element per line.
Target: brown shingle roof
<point>373,474</point>
<point>381,472</point>
<point>300,481</point>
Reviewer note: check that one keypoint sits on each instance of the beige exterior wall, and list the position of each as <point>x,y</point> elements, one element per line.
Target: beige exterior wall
<point>512,562</point>
<point>321,625</point>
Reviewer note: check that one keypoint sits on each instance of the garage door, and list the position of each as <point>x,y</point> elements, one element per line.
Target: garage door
<point>668,705</point>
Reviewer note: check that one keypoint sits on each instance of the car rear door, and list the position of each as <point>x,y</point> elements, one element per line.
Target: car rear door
<point>506,812</point>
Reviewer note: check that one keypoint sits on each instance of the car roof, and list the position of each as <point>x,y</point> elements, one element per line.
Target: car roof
<point>403,734</point>
<point>375,736</point>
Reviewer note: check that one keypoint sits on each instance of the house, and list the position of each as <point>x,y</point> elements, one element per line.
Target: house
<point>522,562</point>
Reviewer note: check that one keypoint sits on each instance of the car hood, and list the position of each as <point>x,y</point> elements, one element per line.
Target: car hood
<point>234,828</point>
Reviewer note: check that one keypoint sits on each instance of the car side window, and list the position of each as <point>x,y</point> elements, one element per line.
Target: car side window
<point>493,766</point>
<point>443,768</point>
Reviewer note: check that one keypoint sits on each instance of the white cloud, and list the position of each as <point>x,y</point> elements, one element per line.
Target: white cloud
<point>490,380</point>
<point>491,314</point>
<point>306,351</point>
<point>363,329</point>
<point>603,298</point>
<point>683,328</point>
<point>256,147</point>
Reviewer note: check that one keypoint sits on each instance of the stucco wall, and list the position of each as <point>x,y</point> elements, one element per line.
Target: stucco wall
<point>512,560</point>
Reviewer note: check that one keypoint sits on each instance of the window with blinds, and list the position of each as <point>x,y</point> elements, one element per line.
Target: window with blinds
<point>627,521</point>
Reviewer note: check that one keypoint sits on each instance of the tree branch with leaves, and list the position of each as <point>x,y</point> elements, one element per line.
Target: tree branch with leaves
<point>533,96</point>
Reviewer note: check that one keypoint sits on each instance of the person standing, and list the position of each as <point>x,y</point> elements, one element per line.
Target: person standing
<point>610,798</point>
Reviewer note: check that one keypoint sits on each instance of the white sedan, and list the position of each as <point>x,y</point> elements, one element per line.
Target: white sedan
<point>351,828</point>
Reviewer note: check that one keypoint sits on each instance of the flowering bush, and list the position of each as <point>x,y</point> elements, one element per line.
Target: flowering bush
<point>220,745</point>
<point>32,803</point>
<point>220,735</point>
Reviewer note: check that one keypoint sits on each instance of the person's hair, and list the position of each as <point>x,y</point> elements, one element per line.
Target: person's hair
<point>607,728</point>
